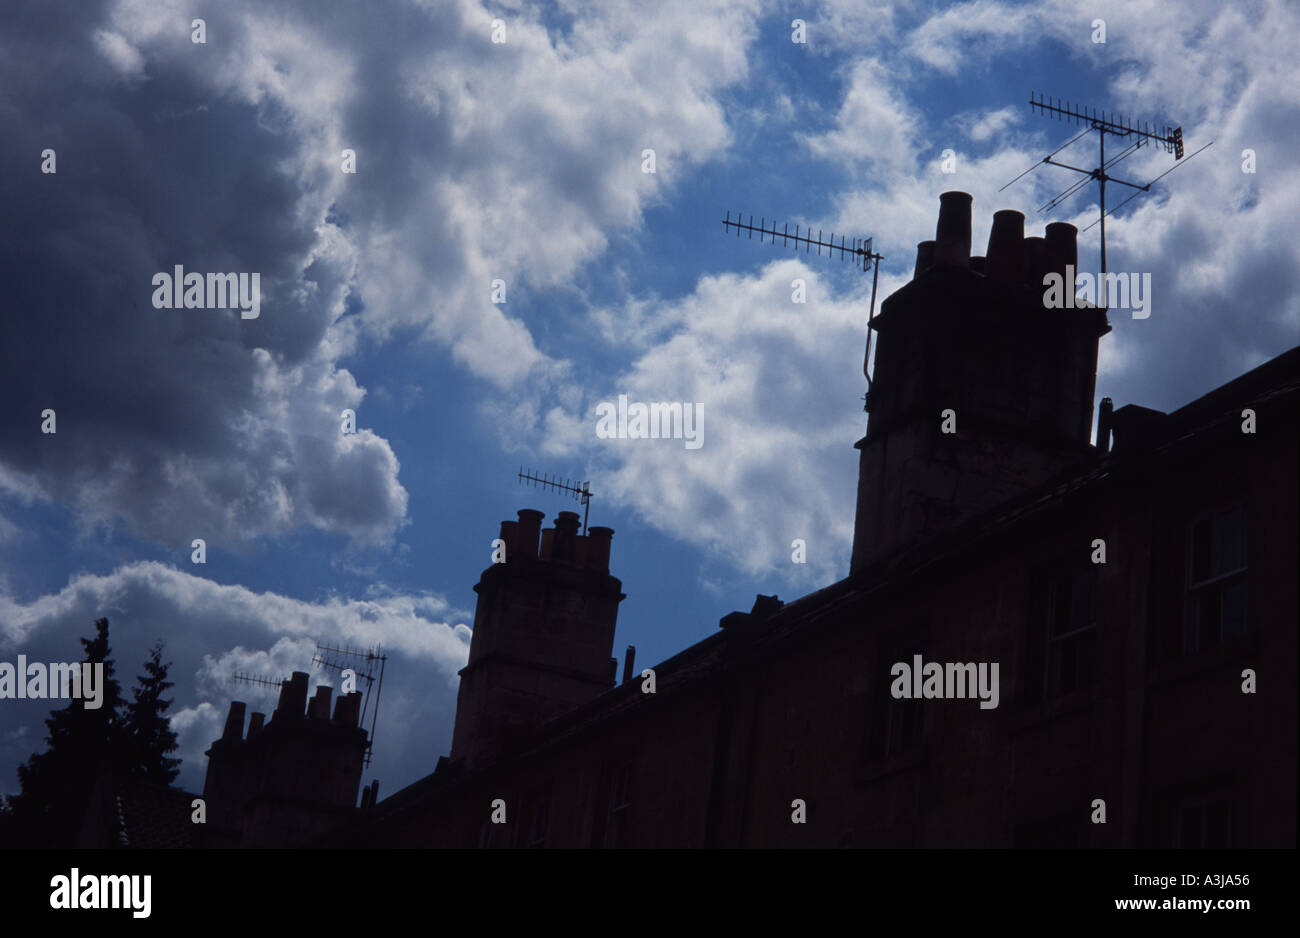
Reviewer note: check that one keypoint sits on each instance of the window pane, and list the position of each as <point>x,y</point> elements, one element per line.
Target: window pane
<point>1061,604</point>
<point>1234,609</point>
<point>1230,541</point>
<point>1191,627</point>
<point>1208,617</point>
<point>1201,551</point>
<point>1087,658</point>
<point>1085,599</point>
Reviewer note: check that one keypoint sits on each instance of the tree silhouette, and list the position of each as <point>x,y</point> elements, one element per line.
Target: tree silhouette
<point>148,730</point>
<point>56,784</point>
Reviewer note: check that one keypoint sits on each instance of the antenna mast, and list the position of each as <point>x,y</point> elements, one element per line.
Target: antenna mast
<point>856,248</point>
<point>1137,133</point>
<point>580,491</point>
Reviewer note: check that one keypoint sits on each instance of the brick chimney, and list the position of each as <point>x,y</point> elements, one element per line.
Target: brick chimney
<point>543,634</point>
<point>975,339</point>
<point>290,780</point>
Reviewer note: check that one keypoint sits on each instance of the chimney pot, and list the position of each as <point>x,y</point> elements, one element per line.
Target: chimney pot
<point>319,707</point>
<point>565,546</point>
<point>347,709</point>
<point>293,697</point>
<point>629,659</point>
<point>509,535</point>
<point>598,539</point>
<point>924,258</point>
<point>255,724</point>
<point>1006,246</point>
<point>952,235</point>
<point>1063,248</point>
<point>1036,264</point>
<point>234,730</point>
<point>526,531</point>
<point>1104,421</point>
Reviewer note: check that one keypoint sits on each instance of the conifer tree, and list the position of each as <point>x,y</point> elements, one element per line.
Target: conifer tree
<point>148,729</point>
<point>56,784</point>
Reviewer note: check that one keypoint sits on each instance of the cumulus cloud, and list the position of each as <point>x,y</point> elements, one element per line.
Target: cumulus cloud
<point>778,387</point>
<point>187,423</point>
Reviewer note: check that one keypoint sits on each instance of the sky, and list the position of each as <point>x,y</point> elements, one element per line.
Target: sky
<point>508,142</point>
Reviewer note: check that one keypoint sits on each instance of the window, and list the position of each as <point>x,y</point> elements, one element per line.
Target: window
<point>1063,639</point>
<point>616,819</point>
<point>1203,823</point>
<point>903,729</point>
<point>901,720</point>
<point>1216,583</point>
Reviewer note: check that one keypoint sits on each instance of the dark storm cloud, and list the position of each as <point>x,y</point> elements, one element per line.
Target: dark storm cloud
<point>185,422</point>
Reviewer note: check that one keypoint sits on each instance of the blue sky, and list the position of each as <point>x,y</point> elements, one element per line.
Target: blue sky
<point>522,161</point>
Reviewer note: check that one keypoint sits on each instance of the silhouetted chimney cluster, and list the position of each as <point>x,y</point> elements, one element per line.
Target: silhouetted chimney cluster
<point>1011,257</point>
<point>979,391</point>
<point>287,780</point>
<point>543,634</point>
<point>561,544</point>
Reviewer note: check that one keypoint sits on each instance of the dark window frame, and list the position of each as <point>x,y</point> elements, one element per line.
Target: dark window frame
<point>1064,630</point>
<point>1207,584</point>
<point>898,726</point>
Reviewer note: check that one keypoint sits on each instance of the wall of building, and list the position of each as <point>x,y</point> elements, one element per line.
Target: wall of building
<point>719,762</point>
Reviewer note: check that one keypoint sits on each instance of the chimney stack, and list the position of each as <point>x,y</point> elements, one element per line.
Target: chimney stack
<point>952,235</point>
<point>255,724</point>
<point>1005,256</point>
<point>976,340</point>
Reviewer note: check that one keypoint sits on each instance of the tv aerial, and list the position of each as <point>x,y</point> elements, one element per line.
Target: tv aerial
<point>581,491</point>
<point>241,678</point>
<point>368,665</point>
<point>1137,133</point>
<point>857,249</point>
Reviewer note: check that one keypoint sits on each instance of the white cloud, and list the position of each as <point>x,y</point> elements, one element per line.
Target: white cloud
<point>121,54</point>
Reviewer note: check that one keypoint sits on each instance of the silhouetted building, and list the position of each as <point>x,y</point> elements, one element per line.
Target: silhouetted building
<point>286,782</point>
<point>543,632</point>
<point>1115,625</point>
